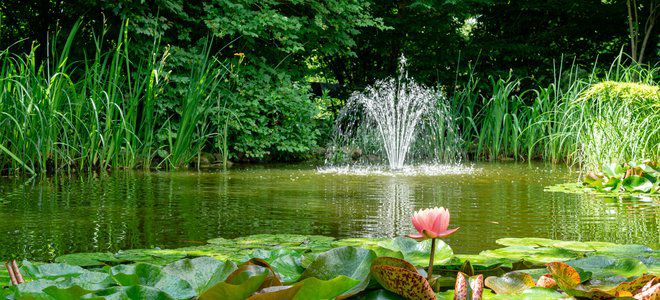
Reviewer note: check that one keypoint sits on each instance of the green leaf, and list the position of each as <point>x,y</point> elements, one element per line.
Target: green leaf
<point>382,295</point>
<point>418,253</point>
<point>50,271</point>
<point>314,288</point>
<point>533,242</point>
<point>288,267</point>
<point>409,284</point>
<point>152,276</point>
<point>603,266</point>
<point>240,288</point>
<point>511,283</point>
<point>201,273</point>
<point>636,183</point>
<point>88,259</point>
<point>531,254</point>
<point>533,293</point>
<point>132,293</point>
<point>347,261</point>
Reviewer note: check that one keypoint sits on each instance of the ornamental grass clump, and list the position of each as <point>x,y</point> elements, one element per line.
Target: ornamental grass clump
<point>618,122</point>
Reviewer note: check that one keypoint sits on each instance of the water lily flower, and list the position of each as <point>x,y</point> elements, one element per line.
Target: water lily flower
<point>431,223</point>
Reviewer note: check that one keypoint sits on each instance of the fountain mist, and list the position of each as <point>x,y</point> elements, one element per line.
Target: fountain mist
<point>395,120</point>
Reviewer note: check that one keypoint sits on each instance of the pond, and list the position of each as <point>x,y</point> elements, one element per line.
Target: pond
<point>40,219</point>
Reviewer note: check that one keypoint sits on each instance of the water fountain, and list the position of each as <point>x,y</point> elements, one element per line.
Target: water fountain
<point>397,122</point>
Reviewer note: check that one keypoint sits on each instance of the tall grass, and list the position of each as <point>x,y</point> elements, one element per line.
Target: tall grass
<point>97,113</point>
<point>564,121</point>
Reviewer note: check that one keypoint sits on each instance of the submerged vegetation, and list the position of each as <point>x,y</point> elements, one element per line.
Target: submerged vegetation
<point>315,267</point>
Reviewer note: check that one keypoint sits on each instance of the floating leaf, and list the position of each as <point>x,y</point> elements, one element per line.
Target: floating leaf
<point>409,284</point>
<point>201,273</point>
<point>276,293</point>
<point>511,283</point>
<point>50,271</point>
<point>88,259</point>
<point>347,261</point>
<point>289,268</point>
<point>241,286</point>
<point>531,254</point>
<point>566,276</point>
<point>418,253</point>
<point>574,246</point>
<point>533,242</point>
<point>636,183</point>
<point>604,266</point>
<point>152,276</point>
<point>132,292</point>
<point>534,293</point>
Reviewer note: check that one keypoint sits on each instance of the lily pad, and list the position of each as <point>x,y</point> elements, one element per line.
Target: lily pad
<point>533,242</point>
<point>534,293</point>
<point>347,261</point>
<point>241,287</point>
<point>130,292</point>
<point>201,273</point>
<point>418,253</point>
<point>152,276</point>
<point>511,283</point>
<point>88,259</point>
<point>531,254</point>
<point>604,266</point>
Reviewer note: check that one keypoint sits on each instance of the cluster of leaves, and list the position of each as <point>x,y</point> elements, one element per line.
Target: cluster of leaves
<point>318,267</point>
<point>631,178</point>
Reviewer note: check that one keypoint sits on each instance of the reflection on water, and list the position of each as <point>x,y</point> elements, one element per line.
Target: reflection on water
<point>39,220</point>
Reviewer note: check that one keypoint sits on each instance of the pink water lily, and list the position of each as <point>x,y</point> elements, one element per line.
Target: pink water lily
<point>431,223</point>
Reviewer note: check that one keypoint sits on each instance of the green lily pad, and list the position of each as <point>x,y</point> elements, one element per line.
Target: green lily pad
<point>636,183</point>
<point>418,253</point>
<point>49,271</point>
<point>152,276</point>
<point>288,267</point>
<point>511,283</point>
<point>88,259</point>
<point>314,288</point>
<point>531,254</point>
<point>130,292</point>
<point>201,273</point>
<point>382,295</point>
<point>533,293</point>
<point>533,242</point>
<point>240,287</point>
<point>604,266</point>
<point>347,261</point>
<point>574,246</point>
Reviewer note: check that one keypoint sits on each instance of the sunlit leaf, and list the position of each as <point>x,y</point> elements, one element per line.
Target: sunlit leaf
<point>511,283</point>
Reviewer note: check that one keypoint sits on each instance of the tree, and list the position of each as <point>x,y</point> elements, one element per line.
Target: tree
<point>634,25</point>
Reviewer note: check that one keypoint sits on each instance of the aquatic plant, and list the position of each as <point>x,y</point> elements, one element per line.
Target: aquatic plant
<point>315,267</point>
<point>431,223</point>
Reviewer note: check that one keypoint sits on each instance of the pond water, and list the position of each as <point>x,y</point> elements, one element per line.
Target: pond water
<point>40,219</point>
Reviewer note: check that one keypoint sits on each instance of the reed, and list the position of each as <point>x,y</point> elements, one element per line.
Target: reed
<point>98,113</point>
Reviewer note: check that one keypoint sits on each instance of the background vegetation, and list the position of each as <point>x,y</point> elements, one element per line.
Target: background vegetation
<point>172,83</point>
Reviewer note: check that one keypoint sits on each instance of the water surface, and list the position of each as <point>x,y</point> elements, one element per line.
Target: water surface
<point>40,219</point>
